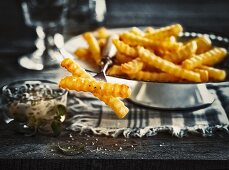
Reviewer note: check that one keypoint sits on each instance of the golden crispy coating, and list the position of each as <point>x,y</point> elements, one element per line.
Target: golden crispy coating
<point>136,40</point>
<point>132,67</point>
<point>164,32</point>
<point>153,76</point>
<point>115,104</point>
<point>83,53</point>
<point>102,33</point>
<point>93,86</point>
<point>203,44</point>
<point>74,68</point>
<point>186,51</point>
<point>93,46</point>
<point>166,66</point>
<point>115,70</point>
<point>122,58</point>
<point>136,31</point>
<point>210,57</point>
<point>203,74</point>
<point>214,73</point>
<point>171,39</point>
<point>125,48</point>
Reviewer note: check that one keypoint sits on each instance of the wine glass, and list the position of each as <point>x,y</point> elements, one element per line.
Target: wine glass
<point>48,17</point>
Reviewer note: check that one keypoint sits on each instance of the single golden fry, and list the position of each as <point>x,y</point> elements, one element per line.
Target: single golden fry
<point>153,76</point>
<point>93,46</point>
<point>204,76</point>
<point>203,44</point>
<point>210,57</point>
<point>165,32</point>
<point>82,53</point>
<point>115,104</point>
<point>136,40</point>
<point>214,73</point>
<point>166,66</point>
<point>115,70</point>
<point>125,48</point>
<point>75,69</point>
<point>93,86</point>
<point>132,67</point>
<point>122,58</point>
<point>102,33</point>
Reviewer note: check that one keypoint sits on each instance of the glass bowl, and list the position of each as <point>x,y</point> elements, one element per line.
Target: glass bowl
<point>35,104</point>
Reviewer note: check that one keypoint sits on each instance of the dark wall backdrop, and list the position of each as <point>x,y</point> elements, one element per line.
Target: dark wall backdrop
<point>197,15</point>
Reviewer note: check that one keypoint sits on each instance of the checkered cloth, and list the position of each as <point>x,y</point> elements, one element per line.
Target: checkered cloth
<point>86,113</point>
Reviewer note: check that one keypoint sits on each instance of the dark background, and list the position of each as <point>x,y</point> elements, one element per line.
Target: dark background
<point>209,16</point>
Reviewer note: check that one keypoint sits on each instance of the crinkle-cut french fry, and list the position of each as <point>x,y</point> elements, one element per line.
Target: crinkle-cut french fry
<point>185,52</point>
<point>115,70</point>
<point>125,48</point>
<point>132,67</point>
<point>75,69</point>
<point>136,31</point>
<point>214,73</point>
<point>164,32</point>
<point>203,44</point>
<point>136,40</point>
<point>122,58</point>
<point>102,33</point>
<point>203,74</point>
<point>153,76</point>
<point>93,46</point>
<point>150,68</point>
<point>82,53</point>
<point>115,104</point>
<point>149,30</point>
<point>210,57</point>
<point>166,66</point>
<point>171,46</point>
<point>93,86</point>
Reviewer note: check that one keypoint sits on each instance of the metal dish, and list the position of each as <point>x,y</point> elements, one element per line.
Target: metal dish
<point>172,96</point>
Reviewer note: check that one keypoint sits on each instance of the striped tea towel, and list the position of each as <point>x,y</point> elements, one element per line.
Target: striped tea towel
<point>89,114</point>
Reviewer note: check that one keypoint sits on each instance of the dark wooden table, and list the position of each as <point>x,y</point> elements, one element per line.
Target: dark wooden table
<point>159,152</point>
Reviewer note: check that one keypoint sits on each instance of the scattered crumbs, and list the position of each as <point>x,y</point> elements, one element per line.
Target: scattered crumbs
<point>116,144</point>
<point>52,150</point>
<point>98,149</point>
<point>93,143</point>
<point>162,144</point>
<point>96,139</point>
<point>120,149</point>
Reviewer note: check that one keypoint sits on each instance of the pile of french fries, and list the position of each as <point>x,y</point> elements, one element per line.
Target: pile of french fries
<point>157,55</point>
